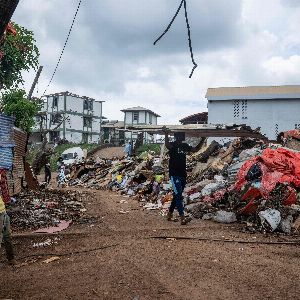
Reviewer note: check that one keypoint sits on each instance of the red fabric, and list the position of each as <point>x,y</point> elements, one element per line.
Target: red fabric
<point>250,196</point>
<point>3,186</point>
<point>277,166</point>
<point>217,196</point>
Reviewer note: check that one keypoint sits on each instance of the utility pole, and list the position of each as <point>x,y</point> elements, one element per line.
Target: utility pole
<point>7,8</point>
<point>34,82</point>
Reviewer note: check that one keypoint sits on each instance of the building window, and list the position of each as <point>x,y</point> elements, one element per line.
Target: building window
<point>135,117</point>
<point>55,101</point>
<point>236,108</point>
<point>244,109</point>
<point>150,118</point>
<point>55,118</point>
<point>87,122</point>
<point>85,137</point>
<point>54,136</point>
<point>85,104</point>
<point>88,104</point>
<point>276,130</point>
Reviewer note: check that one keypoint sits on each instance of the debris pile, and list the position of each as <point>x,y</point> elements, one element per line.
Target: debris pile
<point>245,180</point>
<point>38,209</point>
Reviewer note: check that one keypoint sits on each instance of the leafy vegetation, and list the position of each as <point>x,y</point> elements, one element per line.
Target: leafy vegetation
<point>18,53</point>
<point>15,103</point>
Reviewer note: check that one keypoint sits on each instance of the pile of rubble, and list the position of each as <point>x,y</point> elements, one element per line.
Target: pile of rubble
<point>34,210</point>
<point>244,180</point>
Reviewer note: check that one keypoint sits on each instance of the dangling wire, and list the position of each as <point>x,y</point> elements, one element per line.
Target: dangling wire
<point>62,52</point>
<point>188,29</point>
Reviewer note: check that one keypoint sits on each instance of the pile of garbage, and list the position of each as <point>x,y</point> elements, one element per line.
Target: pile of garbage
<point>32,210</point>
<point>245,181</point>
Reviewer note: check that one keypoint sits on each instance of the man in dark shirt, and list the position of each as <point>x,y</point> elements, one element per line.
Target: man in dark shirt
<point>177,170</point>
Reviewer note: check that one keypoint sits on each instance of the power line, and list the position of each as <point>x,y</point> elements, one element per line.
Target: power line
<point>189,33</point>
<point>62,52</point>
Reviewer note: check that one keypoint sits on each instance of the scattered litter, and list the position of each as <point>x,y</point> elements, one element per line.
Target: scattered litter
<point>51,259</point>
<point>62,225</point>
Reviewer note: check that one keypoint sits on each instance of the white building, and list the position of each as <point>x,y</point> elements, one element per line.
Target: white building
<point>139,116</point>
<point>83,118</point>
<point>272,108</point>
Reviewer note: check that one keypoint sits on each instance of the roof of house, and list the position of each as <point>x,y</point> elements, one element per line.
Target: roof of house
<point>72,95</point>
<point>139,108</point>
<point>202,116</point>
<point>113,124</point>
<point>254,92</point>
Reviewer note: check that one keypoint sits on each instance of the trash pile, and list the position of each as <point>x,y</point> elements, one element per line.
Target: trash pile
<point>244,180</point>
<point>34,210</point>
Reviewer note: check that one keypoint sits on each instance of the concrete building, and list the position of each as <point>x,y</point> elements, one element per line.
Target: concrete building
<point>272,108</point>
<point>113,132</point>
<point>83,118</point>
<point>139,116</point>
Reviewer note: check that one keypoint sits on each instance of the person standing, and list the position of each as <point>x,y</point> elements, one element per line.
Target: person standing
<point>5,232</point>
<point>177,170</point>
<point>128,149</point>
<point>47,173</point>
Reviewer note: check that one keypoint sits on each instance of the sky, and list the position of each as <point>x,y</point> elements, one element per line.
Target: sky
<point>110,55</point>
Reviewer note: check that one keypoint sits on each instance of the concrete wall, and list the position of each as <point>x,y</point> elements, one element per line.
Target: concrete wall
<point>128,117</point>
<point>272,115</point>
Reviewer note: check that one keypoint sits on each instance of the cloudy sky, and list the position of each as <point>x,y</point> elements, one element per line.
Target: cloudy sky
<point>110,55</point>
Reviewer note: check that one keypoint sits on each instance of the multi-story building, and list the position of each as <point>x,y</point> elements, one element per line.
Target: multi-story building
<point>69,117</point>
<point>139,116</point>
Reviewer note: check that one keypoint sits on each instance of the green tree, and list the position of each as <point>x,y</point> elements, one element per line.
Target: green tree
<point>18,52</point>
<point>15,103</point>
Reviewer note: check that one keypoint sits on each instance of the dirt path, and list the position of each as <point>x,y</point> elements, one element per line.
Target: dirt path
<point>114,257</point>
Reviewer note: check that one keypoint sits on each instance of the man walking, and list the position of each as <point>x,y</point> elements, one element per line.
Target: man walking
<point>177,170</point>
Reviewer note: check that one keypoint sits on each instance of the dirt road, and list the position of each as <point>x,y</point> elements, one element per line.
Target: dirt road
<point>112,256</point>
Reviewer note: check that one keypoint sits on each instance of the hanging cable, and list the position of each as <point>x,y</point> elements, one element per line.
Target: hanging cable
<point>62,52</point>
<point>189,33</point>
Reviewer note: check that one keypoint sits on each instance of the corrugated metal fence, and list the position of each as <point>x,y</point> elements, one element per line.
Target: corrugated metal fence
<point>12,152</point>
<point>6,142</point>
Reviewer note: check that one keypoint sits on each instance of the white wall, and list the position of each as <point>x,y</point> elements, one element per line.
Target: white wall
<point>142,117</point>
<point>128,117</point>
<point>273,116</point>
<point>75,122</point>
<point>74,104</point>
<point>75,137</point>
<point>97,107</point>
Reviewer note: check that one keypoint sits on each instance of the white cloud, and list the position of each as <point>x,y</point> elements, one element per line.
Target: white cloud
<point>110,55</point>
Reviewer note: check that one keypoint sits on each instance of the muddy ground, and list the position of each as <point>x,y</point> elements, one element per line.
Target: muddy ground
<point>113,255</point>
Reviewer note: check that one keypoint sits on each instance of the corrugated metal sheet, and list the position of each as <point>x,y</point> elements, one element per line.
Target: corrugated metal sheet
<point>6,142</point>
